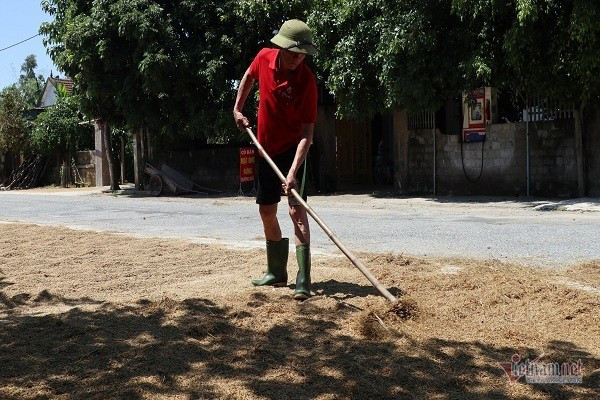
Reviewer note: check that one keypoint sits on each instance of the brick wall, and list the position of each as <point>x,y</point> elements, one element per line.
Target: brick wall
<point>503,171</point>
<point>552,161</point>
<point>420,161</point>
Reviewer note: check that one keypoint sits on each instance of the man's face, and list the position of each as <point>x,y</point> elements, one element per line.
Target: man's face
<point>290,60</point>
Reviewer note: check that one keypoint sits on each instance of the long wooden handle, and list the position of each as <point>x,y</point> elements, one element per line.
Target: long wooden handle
<point>384,292</point>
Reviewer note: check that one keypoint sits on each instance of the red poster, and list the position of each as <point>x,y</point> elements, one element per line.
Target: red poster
<point>247,156</point>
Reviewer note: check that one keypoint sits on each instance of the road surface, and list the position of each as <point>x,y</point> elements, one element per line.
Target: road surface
<point>447,227</point>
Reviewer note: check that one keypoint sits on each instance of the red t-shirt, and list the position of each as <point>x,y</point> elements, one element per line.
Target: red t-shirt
<point>287,100</point>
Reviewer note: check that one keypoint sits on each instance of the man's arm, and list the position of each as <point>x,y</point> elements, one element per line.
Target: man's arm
<point>245,85</point>
<point>301,152</point>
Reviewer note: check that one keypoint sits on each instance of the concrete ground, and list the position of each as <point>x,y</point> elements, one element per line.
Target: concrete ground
<point>543,233</point>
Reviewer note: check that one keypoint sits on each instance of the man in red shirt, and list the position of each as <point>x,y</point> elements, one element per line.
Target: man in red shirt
<point>287,113</point>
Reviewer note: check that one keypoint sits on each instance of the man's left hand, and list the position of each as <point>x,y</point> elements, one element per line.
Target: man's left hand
<point>290,183</point>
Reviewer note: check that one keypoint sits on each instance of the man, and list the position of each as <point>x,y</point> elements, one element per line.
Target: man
<point>286,116</point>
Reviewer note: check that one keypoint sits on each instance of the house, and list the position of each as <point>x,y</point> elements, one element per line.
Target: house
<point>48,96</point>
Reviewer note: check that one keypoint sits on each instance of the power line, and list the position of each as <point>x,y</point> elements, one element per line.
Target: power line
<point>22,41</point>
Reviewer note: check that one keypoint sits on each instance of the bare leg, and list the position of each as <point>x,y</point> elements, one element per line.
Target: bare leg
<point>268,214</point>
<point>301,228</point>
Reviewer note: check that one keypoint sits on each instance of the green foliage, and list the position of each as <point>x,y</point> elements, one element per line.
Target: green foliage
<point>58,128</point>
<point>147,63</point>
<point>166,65</point>
<point>15,100</point>
<point>170,66</point>
<point>255,23</point>
<point>537,46</point>
<point>14,128</point>
<point>29,83</point>
<point>380,54</point>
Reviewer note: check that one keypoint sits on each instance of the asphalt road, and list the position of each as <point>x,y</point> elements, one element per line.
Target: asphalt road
<point>449,227</point>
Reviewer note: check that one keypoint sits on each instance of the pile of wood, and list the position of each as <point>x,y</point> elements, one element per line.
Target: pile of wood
<point>27,176</point>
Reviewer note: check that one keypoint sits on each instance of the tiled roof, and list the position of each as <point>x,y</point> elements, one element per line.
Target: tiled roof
<point>51,85</point>
<point>68,83</point>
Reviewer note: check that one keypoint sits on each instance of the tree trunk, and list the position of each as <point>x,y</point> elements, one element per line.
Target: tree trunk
<point>122,160</point>
<point>58,168</point>
<point>138,160</point>
<point>110,156</point>
<point>579,150</point>
<point>64,170</point>
<point>13,167</point>
<point>149,149</point>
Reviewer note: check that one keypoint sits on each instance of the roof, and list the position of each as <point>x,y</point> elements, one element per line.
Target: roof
<point>68,83</point>
<point>50,87</point>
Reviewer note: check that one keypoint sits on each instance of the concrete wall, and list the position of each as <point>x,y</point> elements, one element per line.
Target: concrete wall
<point>84,162</point>
<point>553,164</point>
<point>216,167</point>
<point>553,161</point>
<point>420,161</point>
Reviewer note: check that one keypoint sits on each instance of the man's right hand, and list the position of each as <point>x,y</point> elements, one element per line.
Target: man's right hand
<point>241,121</point>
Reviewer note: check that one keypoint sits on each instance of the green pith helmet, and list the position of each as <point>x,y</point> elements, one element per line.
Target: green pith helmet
<point>295,36</point>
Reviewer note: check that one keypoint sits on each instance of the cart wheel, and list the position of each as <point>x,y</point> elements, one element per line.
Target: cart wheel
<point>156,185</point>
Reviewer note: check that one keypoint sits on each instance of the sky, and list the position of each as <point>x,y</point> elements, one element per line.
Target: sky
<point>20,19</point>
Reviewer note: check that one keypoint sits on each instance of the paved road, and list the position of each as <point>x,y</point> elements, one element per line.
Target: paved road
<point>505,230</point>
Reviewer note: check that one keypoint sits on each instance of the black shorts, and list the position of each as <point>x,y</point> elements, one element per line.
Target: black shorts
<point>269,188</point>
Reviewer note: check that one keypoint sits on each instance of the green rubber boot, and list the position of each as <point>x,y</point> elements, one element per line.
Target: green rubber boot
<point>277,258</point>
<point>302,291</point>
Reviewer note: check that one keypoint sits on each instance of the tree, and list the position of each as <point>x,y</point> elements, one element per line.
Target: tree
<point>169,66</point>
<point>15,100</point>
<point>29,83</point>
<point>535,45</point>
<point>14,129</point>
<point>58,130</point>
<point>166,66</point>
<point>148,65</point>
<point>377,55</point>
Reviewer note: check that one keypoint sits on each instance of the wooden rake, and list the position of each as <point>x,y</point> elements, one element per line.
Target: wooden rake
<point>365,271</point>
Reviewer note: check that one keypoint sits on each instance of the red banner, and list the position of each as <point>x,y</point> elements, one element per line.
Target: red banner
<point>247,159</point>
